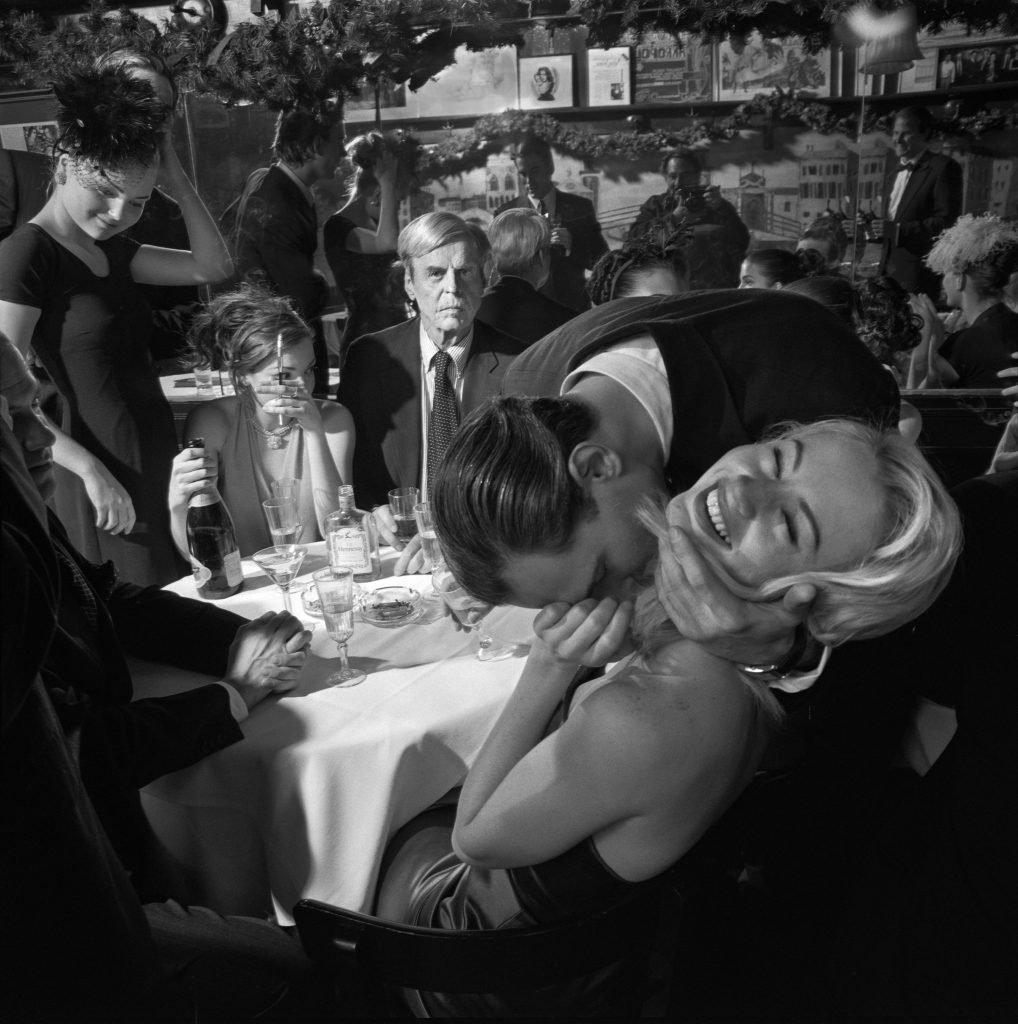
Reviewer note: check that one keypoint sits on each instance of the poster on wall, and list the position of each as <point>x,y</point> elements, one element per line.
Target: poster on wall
<point>673,69</point>
<point>395,101</point>
<point>546,82</point>
<point>478,83</point>
<point>37,137</point>
<point>609,76</point>
<point>763,65</point>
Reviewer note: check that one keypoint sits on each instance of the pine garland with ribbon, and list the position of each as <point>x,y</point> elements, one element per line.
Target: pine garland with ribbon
<point>490,134</point>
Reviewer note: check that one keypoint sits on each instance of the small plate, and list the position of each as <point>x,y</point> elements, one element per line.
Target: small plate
<point>388,607</point>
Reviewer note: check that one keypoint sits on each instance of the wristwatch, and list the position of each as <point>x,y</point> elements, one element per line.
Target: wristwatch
<point>803,656</point>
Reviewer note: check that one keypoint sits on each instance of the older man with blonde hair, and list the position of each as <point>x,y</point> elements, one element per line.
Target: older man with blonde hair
<point>521,263</point>
<point>409,386</point>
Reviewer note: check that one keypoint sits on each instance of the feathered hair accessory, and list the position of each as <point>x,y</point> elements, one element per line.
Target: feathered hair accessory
<point>109,117</point>
<point>972,240</point>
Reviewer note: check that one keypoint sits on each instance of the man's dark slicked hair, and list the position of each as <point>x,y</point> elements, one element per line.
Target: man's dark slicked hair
<point>504,488</point>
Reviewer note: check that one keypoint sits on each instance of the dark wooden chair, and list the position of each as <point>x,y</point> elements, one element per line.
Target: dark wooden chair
<point>374,959</point>
<point>961,429</point>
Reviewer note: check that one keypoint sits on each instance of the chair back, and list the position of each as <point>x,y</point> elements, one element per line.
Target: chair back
<point>386,953</point>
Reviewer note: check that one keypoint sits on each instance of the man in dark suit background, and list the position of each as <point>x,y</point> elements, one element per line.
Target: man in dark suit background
<point>391,379</point>
<point>521,257</point>
<point>926,198</point>
<point>576,238</point>
<point>276,232</point>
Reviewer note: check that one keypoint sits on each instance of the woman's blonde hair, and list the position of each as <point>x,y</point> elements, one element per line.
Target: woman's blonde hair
<point>891,585</point>
<point>983,247</point>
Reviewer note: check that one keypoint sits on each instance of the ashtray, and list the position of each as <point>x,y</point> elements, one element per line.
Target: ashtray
<point>391,606</point>
<point>310,600</point>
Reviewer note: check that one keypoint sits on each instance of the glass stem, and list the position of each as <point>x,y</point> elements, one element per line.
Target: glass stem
<point>344,664</point>
<point>286,599</point>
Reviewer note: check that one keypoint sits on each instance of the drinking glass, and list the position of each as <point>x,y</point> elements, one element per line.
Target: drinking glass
<point>281,565</point>
<point>470,612</point>
<point>402,501</point>
<point>426,531</point>
<point>336,593</point>
<point>286,487</point>
<point>283,518</point>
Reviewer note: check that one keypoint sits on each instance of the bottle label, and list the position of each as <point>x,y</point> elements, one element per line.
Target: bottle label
<point>232,569</point>
<point>348,549</point>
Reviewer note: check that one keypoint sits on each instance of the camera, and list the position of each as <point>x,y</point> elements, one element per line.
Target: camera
<point>693,197</point>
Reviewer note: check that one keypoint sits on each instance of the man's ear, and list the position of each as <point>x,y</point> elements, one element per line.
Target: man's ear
<point>408,285</point>
<point>591,463</point>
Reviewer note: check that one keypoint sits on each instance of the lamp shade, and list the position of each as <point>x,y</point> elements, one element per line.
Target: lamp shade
<point>891,54</point>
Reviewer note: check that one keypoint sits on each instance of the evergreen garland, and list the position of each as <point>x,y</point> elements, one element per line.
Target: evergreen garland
<point>333,50</point>
<point>492,133</point>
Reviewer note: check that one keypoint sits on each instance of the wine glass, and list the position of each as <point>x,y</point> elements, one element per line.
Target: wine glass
<point>336,592</point>
<point>470,612</point>
<point>283,518</point>
<point>281,565</point>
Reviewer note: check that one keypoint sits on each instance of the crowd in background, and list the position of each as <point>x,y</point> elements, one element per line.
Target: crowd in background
<point>566,406</point>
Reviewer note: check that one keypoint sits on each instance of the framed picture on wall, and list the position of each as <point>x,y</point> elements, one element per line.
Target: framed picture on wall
<point>481,82</point>
<point>760,64</point>
<point>608,76</point>
<point>546,82</point>
<point>985,63</point>
<point>673,69</point>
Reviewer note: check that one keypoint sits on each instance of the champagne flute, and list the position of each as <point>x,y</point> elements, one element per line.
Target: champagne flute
<point>336,592</point>
<point>281,565</point>
<point>283,518</point>
<point>470,612</point>
<point>402,501</point>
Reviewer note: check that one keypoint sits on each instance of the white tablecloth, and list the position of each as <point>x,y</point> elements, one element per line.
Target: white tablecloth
<point>304,804</point>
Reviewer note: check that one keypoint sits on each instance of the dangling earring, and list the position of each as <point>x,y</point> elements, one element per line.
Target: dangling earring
<point>61,175</point>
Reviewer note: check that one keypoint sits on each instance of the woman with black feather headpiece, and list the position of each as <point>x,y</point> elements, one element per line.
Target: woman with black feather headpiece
<point>68,293</point>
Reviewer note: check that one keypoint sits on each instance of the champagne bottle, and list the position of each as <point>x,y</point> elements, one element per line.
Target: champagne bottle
<point>351,538</point>
<point>212,541</point>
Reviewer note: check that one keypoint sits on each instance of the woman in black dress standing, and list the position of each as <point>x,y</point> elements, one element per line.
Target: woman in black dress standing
<point>69,294</point>
<point>360,239</point>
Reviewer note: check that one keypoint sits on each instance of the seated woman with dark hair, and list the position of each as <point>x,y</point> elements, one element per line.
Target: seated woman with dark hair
<point>552,824</point>
<point>775,268</point>
<point>827,237</point>
<point>269,430</point>
<point>640,267</point>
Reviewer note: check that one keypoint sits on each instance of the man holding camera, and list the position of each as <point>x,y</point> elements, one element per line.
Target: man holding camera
<point>708,231</point>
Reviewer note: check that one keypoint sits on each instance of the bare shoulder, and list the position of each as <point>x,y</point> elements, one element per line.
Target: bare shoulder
<point>680,703</point>
<point>212,420</point>
<point>335,416</point>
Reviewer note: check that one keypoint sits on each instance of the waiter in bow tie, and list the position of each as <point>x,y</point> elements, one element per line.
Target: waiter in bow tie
<point>926,198</point>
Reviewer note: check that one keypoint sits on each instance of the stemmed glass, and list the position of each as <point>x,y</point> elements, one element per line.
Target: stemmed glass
<point>336,593</point>
<point>470,612</point>
<point>283,518</point>
<point>281,565</point>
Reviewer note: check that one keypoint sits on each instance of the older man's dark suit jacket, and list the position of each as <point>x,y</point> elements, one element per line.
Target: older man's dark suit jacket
<point>930,203</point>
<point>381,386</point>
<point>739,362</point>
<point>515,307</point>
<point>567,283</point>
